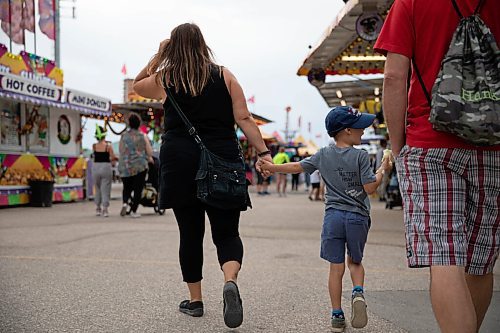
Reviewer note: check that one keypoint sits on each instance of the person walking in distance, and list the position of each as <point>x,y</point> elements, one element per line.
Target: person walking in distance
<point>349,179</point>
<point>281,158</point>
<point>104,157</point>
<point>450,188</point>
<point>315,182</point>
<point>135,153</point>
<point>295,176</point>
<point>213,101</point>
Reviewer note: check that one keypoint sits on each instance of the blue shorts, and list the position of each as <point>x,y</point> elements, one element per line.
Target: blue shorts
<point>341,227</point>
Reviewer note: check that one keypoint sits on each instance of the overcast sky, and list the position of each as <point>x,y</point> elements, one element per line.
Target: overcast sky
<point>263,42</point>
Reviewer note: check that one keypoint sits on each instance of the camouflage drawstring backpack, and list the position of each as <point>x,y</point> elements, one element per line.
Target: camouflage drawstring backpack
<point>466,94</point>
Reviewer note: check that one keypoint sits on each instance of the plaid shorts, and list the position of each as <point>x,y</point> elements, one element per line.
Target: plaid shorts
<point>451,207</point>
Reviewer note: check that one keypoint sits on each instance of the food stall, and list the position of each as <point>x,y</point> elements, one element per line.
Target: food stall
<point>40,129</point>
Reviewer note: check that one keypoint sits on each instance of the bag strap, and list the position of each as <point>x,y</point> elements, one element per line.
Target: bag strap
<point>476,11</point>
<point>427,95</point>
<point>454,3</point>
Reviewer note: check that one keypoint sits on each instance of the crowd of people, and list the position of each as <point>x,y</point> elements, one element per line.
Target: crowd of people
<point>452,220</point>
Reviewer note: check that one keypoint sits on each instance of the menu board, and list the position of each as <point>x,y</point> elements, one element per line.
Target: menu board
<point>10,125</point>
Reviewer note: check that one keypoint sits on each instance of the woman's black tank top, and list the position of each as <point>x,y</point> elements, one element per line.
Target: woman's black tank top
<point>211,113</point>
<point>101,156</point>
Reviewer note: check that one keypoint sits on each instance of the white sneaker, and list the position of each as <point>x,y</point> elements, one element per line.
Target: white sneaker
<point>98,211</point>
<point>105,212</point>
<point>135,215</point>
<point>123,212</point>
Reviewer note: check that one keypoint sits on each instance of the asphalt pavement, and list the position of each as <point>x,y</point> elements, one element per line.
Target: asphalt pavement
<point>62,269</point>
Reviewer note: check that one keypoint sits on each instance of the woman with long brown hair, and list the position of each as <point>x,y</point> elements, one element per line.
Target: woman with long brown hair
<point>213,101</point>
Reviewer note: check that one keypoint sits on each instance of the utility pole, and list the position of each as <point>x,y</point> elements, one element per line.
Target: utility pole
<point>287,138</point>
<point>57,23</point>
<point>57,42</point>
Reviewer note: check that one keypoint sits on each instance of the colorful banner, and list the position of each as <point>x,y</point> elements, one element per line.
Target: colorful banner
<point>21,196</point>
<point>12,19</point>
<point>31,66</point>
<point>17,170</point>
<point>4,10</point>
<point>29,15</point>
<point>46,9</point>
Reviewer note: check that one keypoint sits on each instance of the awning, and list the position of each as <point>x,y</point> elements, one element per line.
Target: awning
<point>341,41</point>
<point>352,92</point>
<point>45,102</point>
<point>345,50</point>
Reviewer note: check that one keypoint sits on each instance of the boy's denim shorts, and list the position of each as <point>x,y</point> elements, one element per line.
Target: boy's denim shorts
<point>341,228</point>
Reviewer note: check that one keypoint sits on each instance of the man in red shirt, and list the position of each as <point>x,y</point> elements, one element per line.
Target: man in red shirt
<point>451,190</point>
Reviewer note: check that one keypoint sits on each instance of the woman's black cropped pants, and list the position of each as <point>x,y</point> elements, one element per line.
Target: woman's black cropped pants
<point>225,235</point>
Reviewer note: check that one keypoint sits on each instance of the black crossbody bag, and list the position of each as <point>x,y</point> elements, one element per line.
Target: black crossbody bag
<point>220,183</point>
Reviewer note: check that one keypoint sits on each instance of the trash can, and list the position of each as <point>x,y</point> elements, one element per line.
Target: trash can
<point>41,193</point>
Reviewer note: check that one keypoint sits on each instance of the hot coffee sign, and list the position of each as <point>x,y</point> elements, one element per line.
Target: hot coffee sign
<point>20,85</point>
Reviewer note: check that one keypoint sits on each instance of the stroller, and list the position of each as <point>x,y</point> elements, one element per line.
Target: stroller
<point>149,197</point>
<point>393,196</point>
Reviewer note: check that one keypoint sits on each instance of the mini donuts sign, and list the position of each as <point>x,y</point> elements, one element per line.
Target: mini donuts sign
<point>93,102</point>
<point>20,85</point>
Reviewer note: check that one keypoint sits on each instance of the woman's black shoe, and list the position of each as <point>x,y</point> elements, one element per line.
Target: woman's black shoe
<point>233,308</point>
<point>194,309</point>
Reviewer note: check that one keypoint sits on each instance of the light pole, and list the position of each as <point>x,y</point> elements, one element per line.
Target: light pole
<point>57,43</point>
<point>287,138</point>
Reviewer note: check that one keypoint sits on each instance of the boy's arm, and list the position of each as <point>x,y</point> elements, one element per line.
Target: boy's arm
<point>372,187</point>
<point>379,174</point>
<point>293,167</point>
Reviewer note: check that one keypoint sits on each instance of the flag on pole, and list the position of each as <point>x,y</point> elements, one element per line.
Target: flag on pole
<point>124,69</point>
<point>300,122</point>
<point>11,16</point>
<point>4,10</point>
<point>251,99</point>
<point>29,15</point>
<point>309,127</point>
<point>46,10</point>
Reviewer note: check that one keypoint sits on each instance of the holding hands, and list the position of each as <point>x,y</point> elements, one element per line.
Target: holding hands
<point>262,165</point>
<point>387,161</point>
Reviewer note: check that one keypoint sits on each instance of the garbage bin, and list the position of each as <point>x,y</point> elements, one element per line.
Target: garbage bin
<point>41,193</point>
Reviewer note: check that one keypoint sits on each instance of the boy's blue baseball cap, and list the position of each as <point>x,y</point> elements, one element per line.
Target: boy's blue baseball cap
<point>342,117</point>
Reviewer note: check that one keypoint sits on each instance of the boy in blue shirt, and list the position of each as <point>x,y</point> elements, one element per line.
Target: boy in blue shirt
<point>349,179</point>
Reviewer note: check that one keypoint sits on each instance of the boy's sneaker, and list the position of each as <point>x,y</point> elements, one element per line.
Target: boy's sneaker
<point>359,317</point>
<point>338,322</point>
<point>194,309</point>
<point>123,212</point>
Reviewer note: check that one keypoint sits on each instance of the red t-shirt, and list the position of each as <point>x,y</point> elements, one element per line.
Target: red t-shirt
<point>423,29</point>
